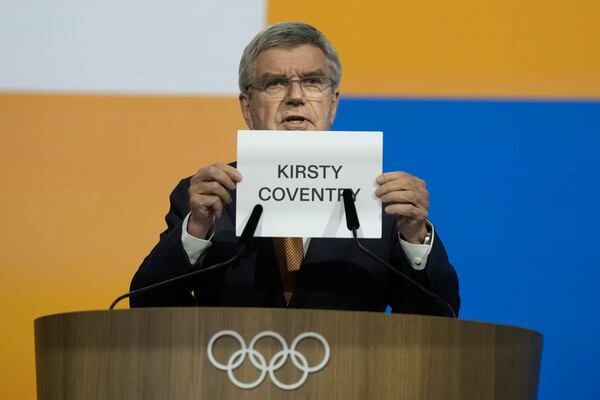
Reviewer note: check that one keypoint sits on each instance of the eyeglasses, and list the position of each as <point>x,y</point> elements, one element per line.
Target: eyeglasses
<point>277,87</point>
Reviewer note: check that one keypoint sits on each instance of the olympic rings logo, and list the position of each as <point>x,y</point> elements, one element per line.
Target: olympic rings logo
<point>276,362</point>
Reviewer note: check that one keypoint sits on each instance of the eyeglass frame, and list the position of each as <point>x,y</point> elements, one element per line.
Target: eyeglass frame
<point>290,82</point>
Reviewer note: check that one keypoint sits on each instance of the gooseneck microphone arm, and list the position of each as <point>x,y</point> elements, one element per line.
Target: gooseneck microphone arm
<point>353,224</point>
<point>246,236</point>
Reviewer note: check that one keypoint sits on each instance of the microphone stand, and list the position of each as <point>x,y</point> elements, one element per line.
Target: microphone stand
<point>247,235</point>
<point>353,224</point>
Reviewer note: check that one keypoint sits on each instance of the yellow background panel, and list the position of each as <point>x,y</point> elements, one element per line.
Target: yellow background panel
<point>499,48</point>
<point>85,182</point>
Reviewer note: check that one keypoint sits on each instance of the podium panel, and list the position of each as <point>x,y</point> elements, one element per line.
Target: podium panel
<point>249,353</point>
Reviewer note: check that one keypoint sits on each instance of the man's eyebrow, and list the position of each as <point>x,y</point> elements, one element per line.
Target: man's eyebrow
<point>271,75</point>
<point>318,72</point>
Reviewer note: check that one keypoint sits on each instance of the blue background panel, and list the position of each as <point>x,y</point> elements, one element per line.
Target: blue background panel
<point>515,190</point>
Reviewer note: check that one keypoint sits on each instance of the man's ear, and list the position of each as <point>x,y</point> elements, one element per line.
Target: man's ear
<point>334,106</point>
<point>245,107</point>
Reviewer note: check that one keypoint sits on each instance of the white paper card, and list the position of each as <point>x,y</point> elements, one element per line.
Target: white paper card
<point>298,178</point>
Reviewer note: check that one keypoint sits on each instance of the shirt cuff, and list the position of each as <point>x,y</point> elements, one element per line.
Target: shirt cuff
<point>417,253</point>
<point>193,246</point>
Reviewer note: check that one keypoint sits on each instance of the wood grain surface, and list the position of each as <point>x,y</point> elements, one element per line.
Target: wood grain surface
<point>162,354</point>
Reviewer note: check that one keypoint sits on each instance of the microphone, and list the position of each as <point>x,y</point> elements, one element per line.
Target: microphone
<point>250,228</point>
<point>247,235</point>
<point>353,224</point>
<point>350,209</point>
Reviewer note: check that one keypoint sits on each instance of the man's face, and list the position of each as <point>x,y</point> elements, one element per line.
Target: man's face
<point>294,111</point>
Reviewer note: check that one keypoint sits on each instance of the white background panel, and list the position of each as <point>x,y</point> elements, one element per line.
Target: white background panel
<point>150,46</point>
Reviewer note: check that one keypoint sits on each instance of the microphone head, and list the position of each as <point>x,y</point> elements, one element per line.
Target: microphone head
<point>250,228</point>
<point>350,209</point>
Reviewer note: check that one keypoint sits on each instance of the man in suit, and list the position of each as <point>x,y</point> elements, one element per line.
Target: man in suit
<point>289,77</point>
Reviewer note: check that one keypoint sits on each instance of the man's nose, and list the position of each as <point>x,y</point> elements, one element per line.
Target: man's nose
<point>295,92</point>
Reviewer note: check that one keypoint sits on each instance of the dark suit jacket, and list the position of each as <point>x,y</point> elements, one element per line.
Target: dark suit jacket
<point>335,274</point>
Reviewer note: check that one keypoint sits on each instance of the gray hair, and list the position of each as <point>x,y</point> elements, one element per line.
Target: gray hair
<point>287,34</point>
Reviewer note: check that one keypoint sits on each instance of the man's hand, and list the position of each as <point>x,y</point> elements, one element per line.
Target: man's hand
<point>407,199</point>
<point>209,192</point>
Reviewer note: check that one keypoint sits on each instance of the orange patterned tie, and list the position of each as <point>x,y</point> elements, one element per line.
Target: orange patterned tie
<point>289,252</point>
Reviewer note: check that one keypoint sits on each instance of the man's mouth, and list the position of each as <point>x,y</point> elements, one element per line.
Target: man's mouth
<point>294,119</point>
<point>296,122</point>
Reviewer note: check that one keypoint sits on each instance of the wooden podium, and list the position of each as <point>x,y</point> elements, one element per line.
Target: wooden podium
<point>203,353</point>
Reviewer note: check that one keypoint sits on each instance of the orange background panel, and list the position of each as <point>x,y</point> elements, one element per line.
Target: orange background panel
<point>498,48</point>
<point>85,182</point>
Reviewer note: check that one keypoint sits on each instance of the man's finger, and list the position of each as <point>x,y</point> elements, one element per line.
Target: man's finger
<point>391,176</point>
<point>212,203</point>
<point>233,173</point>
<point>408,197</point>
<point>398,185</point>
<point>407,210</point>
<point>217,208</point>
<point>392,186</point>
<point>217,174</point>
<point>214,188</point>
<point>218,170</point>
